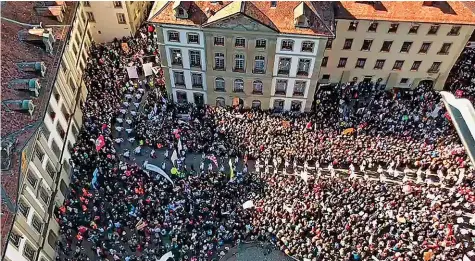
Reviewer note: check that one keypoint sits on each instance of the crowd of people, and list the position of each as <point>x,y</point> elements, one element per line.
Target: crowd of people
<point>118,209</point>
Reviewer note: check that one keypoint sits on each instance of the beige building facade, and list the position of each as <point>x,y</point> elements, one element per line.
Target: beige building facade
<point>398,51</point>
<point>115,19</point>
<point>250,56</point>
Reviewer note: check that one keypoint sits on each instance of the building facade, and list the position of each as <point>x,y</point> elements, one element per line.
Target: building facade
<point>384,42</point>
<point>40,126</point>
<point>255,54</point>
<point>115,19</point>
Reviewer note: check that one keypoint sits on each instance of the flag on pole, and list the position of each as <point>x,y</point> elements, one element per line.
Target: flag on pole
<point>100,142</point>
<point>174,157</point>
<point>94,181</point>
<point>213,159</point>
<point>180,147</point>
<point>231,176</point>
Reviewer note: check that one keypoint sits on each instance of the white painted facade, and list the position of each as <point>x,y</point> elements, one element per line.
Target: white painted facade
<point>185,48</point>
<point>293,65</point>
<point>290,87</point>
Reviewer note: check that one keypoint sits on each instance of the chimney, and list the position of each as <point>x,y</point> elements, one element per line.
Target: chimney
<point>34,67</point>
<point>50,11</point>
<point>32,85</point>
<point>20,105</point>
<point>44,35</point>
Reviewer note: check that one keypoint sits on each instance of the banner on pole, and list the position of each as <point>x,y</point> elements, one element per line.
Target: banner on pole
<point>159,171</point>
<point>132,72</point>
<point>147,69</point>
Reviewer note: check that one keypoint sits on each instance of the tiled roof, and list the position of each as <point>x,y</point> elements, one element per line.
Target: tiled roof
<point>6,225</point>
<point>17,126</point>
<point>280,18</point>
<point>444,12</point>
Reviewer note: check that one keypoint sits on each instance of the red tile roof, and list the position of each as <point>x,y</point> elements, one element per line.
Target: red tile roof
<point>17,126</point>
<point>444,12</point>
<point>280,18</point>
<point>6,225</point>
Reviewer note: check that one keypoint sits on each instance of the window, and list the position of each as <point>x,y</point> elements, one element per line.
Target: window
<point>373,27</point>
<point>353,26</point>
<point>424,48</point>
<point>307,46</point>
<point>366,45</point>
<point>44,195</point>
<point>342,62</point>
<point>179,78</point>
<point>404,80</point>
<point>36,223</point>
<point>193,38</point>
<point>52,239</point>
<point>415,65</point>
<point>90,17</point>
<point>257,87</point>
<point>181,97</point>
<point>29,252</point>
<point>32,179</point>
<point>284,66</point>
<point>299,88</point>
<point>23,207</point>
<point>434,67</point>
<point>239,62</point>
<point>303,67</point>
<point>238,85</point>
<point>64,188</point>
<point>196,80</point>
<point>393,28</point>
<point>273,4</point>
<point>348,44</point>
<point>278,105</point>
<point>117,4</point>
<point>259,64</point>
<point>455,30</point>
<point>386,46</point>
<point>398,65</point>
<point>240,42</point>
<point>45,131</point>
<point>414,28</point>
<point>50,169</point>
<point>219,84</point>
<point>219,41</point>
<point>220,102</point>
<point>256,104</point>
<point>219,61</point>
<point>406,46</point>
<point>295,105</point>
<point>281,87</point>
<point>360,63</point>
<point>56,149</point>
<point>15,238</point>
<point>379,64</point>
<point>328,46</point>
<point>86,4</point>
<point>326,77</point>
<point>195,59</point>
<point>324,61</point>
<point>433,29</point>
<point>173,36</point>
<point>287,45</point>
<point>261,43</point>
<point>445,48</point>
<point>39,152</point>
<point>176,57</point>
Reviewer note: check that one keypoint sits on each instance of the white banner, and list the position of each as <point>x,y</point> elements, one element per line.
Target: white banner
<point>174,157</point>
<point>132,72</point>
<point>248,204</point>
<point>159,171</point>
<point>166,256</point>
<point>180,147</point>
<point>147,69</point>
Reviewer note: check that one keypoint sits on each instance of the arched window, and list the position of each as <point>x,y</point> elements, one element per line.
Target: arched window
<point>257,87</point>
<point>238,85</point>
<point>220,102</point>
<point>256,104</point>
<point>219,84</point>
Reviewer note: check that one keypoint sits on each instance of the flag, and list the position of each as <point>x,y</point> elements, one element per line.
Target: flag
<point>104,127</point>
<point>180,147</point>
<point>174,157</point>
<point>231,176</point>
<point>100,142</point>
<point>213,159</point>
<point>159,171</point>
<point>95,175</point>
<point>248,204</point>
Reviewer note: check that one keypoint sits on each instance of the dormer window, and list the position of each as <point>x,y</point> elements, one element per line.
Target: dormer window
<point>301,15</point>
<point>181,9</point>
<point>181,12</point>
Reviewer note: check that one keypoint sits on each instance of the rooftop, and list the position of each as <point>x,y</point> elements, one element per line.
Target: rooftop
<point>444,12</point>
<point>280,18</point>
<point>19,126</point>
